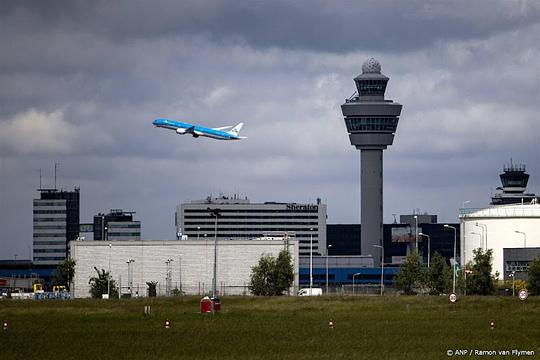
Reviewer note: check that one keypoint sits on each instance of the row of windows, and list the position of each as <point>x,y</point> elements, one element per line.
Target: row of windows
<point>371,124</point>
<point>206,217</point>
<point>258,229</point>
<point>44,219</point>
<point>313,223</point>
<point>48,203</point>
<point>63,251</point>
<point>285,211</point>
<point>49,242</point>
<point>52,258</point>
<point>210,235</point>
<point>125,226</point>
<point>124,234</point>
<point>42,227</point>
<point>63,235</point>
<point>50,211</point>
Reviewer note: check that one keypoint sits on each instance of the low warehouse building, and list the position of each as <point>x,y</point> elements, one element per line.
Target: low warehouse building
<point>184,265</point>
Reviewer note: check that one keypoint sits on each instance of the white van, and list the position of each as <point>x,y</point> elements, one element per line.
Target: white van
<point>310,292</point>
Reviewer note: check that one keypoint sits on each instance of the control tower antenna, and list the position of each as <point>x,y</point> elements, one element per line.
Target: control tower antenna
<point>371,123</point>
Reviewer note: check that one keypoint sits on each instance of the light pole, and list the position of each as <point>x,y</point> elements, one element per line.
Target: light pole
<point>310,260</point>
<point>215,213</point>
<point>484,233</point>
<point>327,250</point>
<point>382,266</point>
<point>168,276</point>
<point>180,272</point>
<point>198,230</point>
<point>513,275</point>
<point>109,275</point>
<point>455,260</point>
<point>130,276</point>
<point>416,231</point>
<point>428,247</point>
<point>353,286</point>
<point>524,237</point>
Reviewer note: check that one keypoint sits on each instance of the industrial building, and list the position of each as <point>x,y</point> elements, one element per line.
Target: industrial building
<point>239,219</point>
<point>371,122</point>
<point>183,265</point>
<point>56,223</point>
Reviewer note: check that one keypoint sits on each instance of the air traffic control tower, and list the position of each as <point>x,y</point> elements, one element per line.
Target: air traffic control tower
<point>371,122</point>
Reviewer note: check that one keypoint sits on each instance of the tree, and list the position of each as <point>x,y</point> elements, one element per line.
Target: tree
<point>411,276</point>
<point>100,284</point>
<point>64,273</point>
<point>481,282</point>
<point>271,276</point>
<point>152,288</point>
<point>439,275</point>
<point>534,277</point>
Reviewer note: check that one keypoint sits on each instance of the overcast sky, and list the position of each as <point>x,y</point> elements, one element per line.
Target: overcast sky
<point>81,83</point>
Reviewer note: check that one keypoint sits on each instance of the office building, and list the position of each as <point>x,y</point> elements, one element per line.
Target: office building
<point>116,225</point>
<point>242,220</point>
<point>371,122</point>
<point>56,222</point>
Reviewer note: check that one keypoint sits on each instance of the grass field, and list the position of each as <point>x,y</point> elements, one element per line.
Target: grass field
<point>269,328</point>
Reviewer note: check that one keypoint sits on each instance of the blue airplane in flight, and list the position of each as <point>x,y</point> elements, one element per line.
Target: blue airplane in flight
<point>222,133</point>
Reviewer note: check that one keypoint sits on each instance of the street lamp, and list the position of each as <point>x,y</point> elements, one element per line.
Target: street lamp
<point>109,275</point>
<point>353,286</point>
<point>327,250</point>
<point>168,276</point>
<point>524,237</point>
<point>310,260</point>
<point>416,231</point>
<point>455,239</point>
<point>484,233</point>
<point>513,275</point>
<point>198,230</point>
<point>130,275</point>
<point>180,273</point>
<point>428,247</point>
<point>382,266</point>
<point>215,213</point>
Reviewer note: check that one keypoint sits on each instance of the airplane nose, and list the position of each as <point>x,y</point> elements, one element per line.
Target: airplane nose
<point>156,122</point>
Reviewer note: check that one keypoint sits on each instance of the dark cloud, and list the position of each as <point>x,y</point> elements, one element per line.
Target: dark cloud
<point>306,25</point>
<point>82,81</point>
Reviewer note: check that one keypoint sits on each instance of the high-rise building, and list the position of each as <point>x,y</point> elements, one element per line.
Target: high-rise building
<point>371,123</point>
<point>56,223</point>
<point>116,225</point>
<point>241,220</point>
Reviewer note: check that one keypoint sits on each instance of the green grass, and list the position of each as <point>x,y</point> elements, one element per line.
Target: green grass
<point>268,328</point>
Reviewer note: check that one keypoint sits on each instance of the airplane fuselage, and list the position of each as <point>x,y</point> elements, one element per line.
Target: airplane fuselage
<point>195,130</point>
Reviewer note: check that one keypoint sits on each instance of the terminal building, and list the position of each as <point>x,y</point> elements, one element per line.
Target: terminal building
<point>239,219</point>
<point>186,266</point>
<point>510,226</point>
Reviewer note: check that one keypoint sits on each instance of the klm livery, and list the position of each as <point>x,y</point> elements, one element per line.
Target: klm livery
<point>222,133</point>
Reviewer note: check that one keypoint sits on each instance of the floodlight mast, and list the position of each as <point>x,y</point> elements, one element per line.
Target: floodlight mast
<point>215,213</point>
<point>371,122</point>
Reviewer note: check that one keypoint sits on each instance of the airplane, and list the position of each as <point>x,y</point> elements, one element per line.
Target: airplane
<point>221,133</point>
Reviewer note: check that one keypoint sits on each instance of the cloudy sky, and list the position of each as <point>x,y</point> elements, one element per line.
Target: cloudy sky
<point>81,82</point>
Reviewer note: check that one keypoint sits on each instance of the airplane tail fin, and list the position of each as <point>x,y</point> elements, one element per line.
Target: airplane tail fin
<point>236,130</point>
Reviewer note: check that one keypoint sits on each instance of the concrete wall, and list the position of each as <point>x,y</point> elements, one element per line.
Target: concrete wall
<point>192,261</point>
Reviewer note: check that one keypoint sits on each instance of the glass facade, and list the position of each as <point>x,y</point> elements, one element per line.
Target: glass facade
<point>386,124</point>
